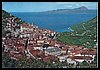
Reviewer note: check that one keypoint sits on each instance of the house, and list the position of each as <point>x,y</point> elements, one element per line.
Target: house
<point>64,50</point>
<point>20,47</point>
<point>81,55</point>
<point>59,44</point>
<point>62,58</point>
<point>26,26</point>
<point>15,55</point>
<point>70,61</point>
<point>6,49</point>
<point>35,53</point>
<point>8,45</point>
<point>46,41</point>
<point>70,49</point>
<point>92,53</point>
<point>32,41</point>
<point>82,58</point>
<point>3,38</point>
<point>52,42</point>
<point>40,41</point>
<point>20,41</point>
<point>26,34</point>
<point>37,47</point>
<point>50,58</point>
<point>75,53</point>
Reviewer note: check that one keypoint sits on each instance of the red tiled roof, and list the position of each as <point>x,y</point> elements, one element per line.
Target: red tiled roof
<point>17,56</point>
<point>52,42</point>
<point>82,57</point>
<point>35,52</point>
<point>26,25</point>
<point>36,45</point>
<point>20,48</point>
<point>64,49</point>
<point>19,39</point>
<point>42,55</point>
<point>32,41</point>
<point>89,52</point>
<point>50,58</point>
<point>19,45</point>
<point>30,47</point>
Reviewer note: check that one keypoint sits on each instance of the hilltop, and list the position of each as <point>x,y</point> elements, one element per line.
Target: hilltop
<point>81,8</point>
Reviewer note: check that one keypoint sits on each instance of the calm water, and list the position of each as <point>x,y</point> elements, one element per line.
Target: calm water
<point>56,22</point>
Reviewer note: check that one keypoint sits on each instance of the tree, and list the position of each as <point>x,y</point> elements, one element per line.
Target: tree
<point>7,62</point>
<point>84,64</point>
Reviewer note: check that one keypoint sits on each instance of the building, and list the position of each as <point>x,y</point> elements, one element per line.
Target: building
<point>82,58</point>
<point>53,51</point>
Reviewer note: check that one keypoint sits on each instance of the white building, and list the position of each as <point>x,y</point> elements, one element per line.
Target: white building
<point>53,51</point>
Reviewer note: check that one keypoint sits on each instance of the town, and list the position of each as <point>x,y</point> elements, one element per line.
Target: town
<point>41,44</point>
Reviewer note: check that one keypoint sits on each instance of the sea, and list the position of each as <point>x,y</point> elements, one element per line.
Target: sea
<point>57,22</point>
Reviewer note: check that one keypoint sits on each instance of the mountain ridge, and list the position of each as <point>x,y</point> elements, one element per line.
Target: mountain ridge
<point>81,9</point>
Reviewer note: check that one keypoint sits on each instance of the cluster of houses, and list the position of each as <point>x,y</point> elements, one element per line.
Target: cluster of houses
<point>41,44</point>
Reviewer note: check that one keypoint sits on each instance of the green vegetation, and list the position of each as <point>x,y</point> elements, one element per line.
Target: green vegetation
<point>7,62</point>
<point>83,34</point>
<point>5,14</point>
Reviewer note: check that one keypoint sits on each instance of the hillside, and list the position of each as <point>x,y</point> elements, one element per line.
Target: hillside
<point>83,34</point>
<point>5,19</point>
<point>27,46</point>
<point>80,10</point>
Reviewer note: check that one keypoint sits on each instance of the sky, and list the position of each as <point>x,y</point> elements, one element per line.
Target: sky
<point>44,6</point>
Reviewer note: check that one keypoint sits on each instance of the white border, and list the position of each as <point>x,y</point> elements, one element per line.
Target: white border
<point>97,34</point>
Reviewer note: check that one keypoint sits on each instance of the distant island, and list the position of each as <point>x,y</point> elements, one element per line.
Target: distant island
<point>82,9</point>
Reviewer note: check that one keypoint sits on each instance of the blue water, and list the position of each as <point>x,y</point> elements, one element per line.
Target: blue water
<point>56,22</point>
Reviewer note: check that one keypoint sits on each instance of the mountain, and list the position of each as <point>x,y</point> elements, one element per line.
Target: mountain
<point>84,34</point>
<point>79,10</point>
